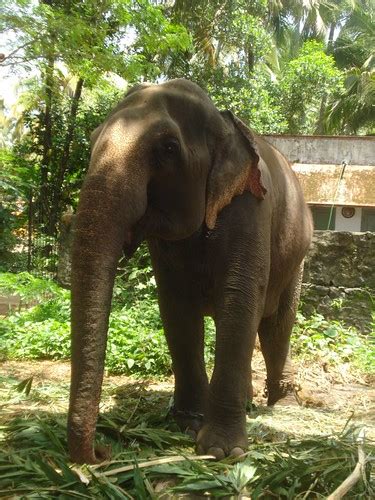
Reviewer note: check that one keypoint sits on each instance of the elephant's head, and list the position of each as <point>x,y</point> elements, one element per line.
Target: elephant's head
<point>164,163</point>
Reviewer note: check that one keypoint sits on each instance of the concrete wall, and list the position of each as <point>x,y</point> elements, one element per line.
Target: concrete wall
<point>354,150</point>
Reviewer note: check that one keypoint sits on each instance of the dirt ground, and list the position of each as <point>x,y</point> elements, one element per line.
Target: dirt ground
<point>330,395</point>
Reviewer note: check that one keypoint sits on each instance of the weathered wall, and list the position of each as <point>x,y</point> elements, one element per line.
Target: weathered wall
<point>332,184</point>
<point>339,277</point>
<point>354,150</point>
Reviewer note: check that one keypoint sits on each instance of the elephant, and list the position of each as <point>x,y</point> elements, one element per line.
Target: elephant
<point>227,228</point>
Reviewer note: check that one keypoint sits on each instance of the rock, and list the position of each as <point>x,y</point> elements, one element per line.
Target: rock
<point>339,278</point>
<point>352,306</point>
<point>341,259</point>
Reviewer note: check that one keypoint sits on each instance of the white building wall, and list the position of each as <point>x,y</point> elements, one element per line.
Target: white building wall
<point>344,224</point>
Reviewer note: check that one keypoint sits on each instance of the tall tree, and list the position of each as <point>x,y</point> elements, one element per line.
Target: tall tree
<point>353,109</point>
<point>307,81</point>
<point>224,30</point>
<point>90,40</point>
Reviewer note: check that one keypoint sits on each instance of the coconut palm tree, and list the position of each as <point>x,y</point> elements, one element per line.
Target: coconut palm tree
<point>353,110</point>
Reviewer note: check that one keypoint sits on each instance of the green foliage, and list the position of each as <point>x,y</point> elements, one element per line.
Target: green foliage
<point>307,82</point>
<point>89,37</point>
<point>135,345</point>
<point>28,287</point>
<point>135,280</point>
<point>26,338</point>
<point>222,31</point>
<point>136,342</point>
<point>15,182</point>
<point>41,331</point>
<point>353,109</point>
<point>317,338</point>
<point>253,100</point>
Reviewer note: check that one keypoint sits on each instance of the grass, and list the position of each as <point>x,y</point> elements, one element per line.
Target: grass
<point>151,459</point>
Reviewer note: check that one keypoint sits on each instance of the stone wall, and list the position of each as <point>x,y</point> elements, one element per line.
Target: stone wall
<point>339,278</point>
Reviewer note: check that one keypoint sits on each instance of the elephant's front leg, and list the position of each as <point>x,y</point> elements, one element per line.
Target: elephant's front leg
<point>184,329</point>
<point>224,432</point>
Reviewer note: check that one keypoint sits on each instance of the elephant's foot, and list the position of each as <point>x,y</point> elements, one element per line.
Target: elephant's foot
<point>221,441</point>
<point>283,392</point>
<point>103,453</point>
<point>98,455</point>
<point>188,421</point>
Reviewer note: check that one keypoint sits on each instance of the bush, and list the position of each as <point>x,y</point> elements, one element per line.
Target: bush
<point>29,287</point>
<point>15,183</point>
<point>316,337</point>
<point>136,343</point>
<point>41,331</point>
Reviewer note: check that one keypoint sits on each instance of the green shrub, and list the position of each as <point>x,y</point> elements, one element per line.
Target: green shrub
<point>135,280</point>
<point>136,343</point>
<point>27,286</point>
<point>317,337</point>
<point>47,339</point>
<point>42,331</point>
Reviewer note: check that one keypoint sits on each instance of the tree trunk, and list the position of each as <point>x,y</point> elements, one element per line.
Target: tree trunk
<point>250,58</point>
<point>330,38</point>
<point>319,130</point>
<point>64,162</point>
<point>30,213</point>
<point>47,139</point>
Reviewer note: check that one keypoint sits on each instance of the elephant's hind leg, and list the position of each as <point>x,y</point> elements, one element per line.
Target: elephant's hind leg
<point>274,336</point>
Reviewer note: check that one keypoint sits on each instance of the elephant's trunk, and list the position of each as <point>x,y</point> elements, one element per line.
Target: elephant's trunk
<point>109,208</point>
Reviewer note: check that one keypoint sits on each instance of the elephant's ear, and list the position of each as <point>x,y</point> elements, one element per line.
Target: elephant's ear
<point>235,168</point>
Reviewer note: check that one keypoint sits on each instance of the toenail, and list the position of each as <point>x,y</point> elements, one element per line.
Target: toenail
<point>218,453</point>
<point>236,452</point>
<point>200,450</point>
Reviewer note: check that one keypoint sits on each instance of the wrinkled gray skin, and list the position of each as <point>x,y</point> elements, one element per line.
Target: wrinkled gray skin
<point>227,229</point>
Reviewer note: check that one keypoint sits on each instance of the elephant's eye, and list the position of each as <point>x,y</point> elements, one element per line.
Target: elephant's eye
<point>170,147</point>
